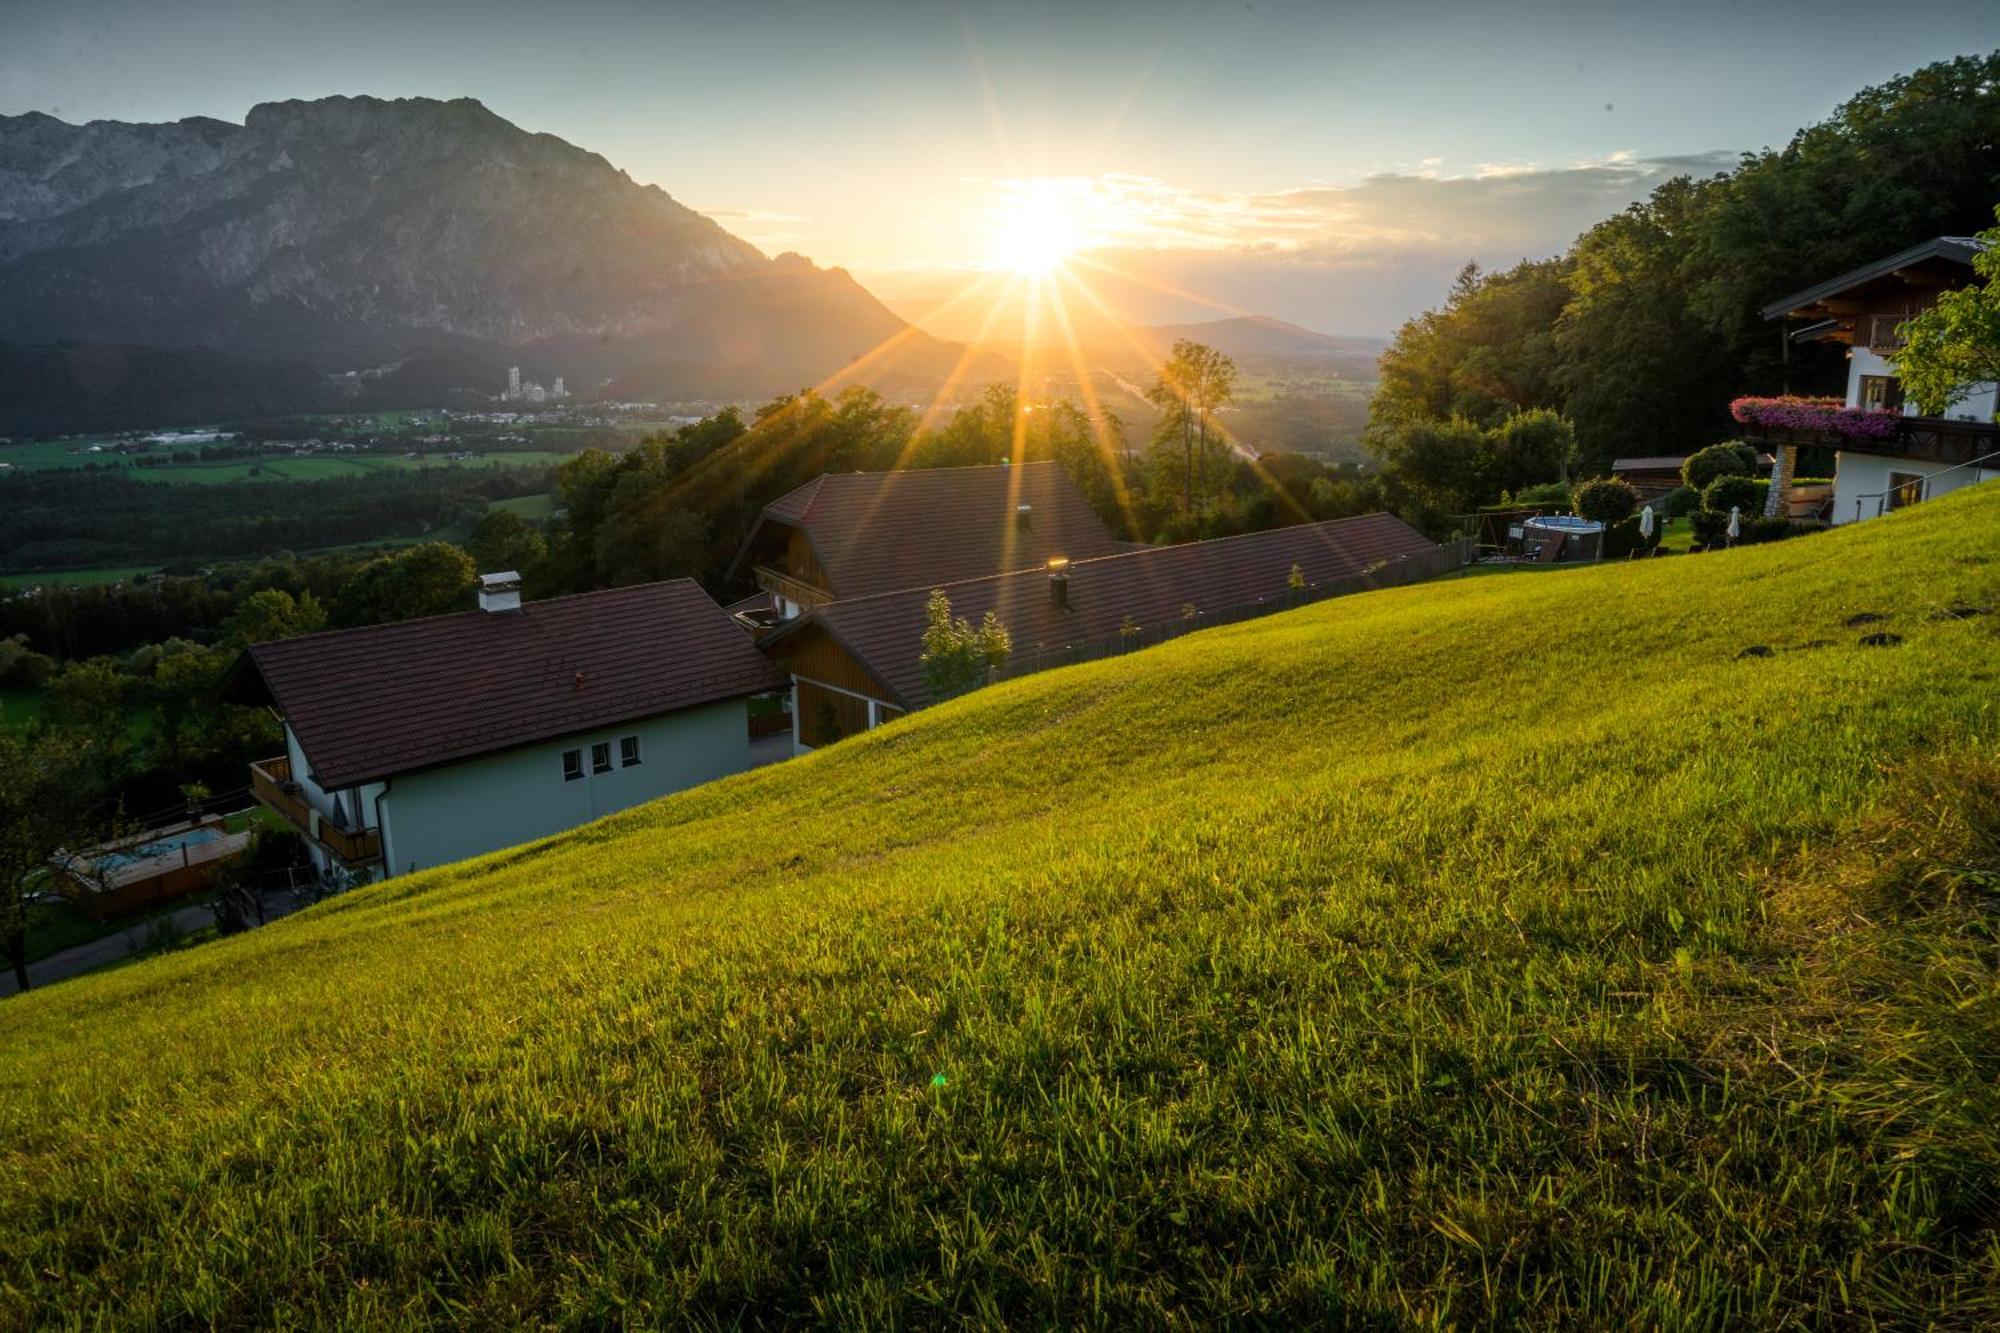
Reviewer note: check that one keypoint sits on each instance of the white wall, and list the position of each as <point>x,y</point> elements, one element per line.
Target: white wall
<point>1867,475</point>
<point>1980,404</point>
<point>360,801</point>
<point>481,805</point>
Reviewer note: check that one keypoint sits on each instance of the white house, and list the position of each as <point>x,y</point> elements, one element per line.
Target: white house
<point>1926,456</point>
<point>414,744</point>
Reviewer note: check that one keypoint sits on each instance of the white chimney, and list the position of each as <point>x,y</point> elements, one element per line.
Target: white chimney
<point>500,592</point>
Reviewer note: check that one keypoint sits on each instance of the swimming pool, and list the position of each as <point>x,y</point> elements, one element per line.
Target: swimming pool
<point>146,851</point>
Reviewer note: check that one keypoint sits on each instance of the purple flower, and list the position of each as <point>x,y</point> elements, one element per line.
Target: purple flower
<point>1816,416</point>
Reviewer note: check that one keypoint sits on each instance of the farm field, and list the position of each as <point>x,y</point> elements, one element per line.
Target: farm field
<point>271,467</point>
<point>101,574</point>
<point>534,508</point>
<point>1356,966</point>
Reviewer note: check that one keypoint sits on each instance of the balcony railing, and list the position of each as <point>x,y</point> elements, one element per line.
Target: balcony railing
<point>794,590</point>
<point>271,783</point>
<point>1931,439</point>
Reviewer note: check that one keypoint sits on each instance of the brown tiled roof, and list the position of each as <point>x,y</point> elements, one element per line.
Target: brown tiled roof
<point>1151,585</point>
<point>367,704</point>
<point>879,531</point>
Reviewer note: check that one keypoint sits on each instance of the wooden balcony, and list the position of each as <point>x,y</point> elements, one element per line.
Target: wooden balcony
<point>1930,439</point>
<point>271,783</point>
<point>792,589</point>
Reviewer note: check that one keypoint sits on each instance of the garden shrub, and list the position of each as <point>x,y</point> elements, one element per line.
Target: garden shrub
<point>1680,500</point>
<point>1731,459</point>
<point>1543,493</point>
<point>1607,500</point>
<point>1622,538</point>
<point>1727,492</point>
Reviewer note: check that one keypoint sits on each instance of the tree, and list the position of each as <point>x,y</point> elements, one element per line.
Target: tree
<point>958,657</point>
<point>1956,343</point>
<point>1530,448</point>
<point>49,792</point>
<point>1442,464</point>
<point>1606,500</point>
<point>503,540</point>
<point>427,580</point>
<point>1486,354</point>
<point>270,614</point>
<point>1196,382</point>
<point>1729,459</point>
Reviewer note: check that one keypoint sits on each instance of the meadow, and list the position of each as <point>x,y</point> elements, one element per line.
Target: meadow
<point>44,455</point>
<point>1609,950</point>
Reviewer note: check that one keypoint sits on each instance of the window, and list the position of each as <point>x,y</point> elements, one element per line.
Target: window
<point>628,751</point>
<point>600,757</point>
<point>572,765</point>
<point>1882,392</point>
<point>1905,488</point>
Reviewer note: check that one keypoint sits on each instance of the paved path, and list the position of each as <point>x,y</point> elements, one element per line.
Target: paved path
<point>121,944</point>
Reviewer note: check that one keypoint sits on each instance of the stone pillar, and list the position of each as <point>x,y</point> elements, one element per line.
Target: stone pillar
<point>1781,480</point>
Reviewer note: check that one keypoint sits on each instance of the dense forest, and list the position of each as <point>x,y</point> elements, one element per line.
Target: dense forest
<point>1645,329</point>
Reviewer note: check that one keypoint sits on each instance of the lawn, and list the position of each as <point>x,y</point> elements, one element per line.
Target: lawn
<point>1613,950</point>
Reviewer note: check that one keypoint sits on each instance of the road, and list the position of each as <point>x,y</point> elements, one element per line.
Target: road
<point>116,947</point>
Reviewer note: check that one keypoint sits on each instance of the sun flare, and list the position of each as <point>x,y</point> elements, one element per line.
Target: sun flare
<point>1037,228</point>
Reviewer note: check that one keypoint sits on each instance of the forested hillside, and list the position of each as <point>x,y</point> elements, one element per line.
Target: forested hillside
<point>1646,328</point>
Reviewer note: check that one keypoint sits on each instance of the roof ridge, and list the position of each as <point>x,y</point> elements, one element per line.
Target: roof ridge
<point>442,616</point>
<point>1143,551</point>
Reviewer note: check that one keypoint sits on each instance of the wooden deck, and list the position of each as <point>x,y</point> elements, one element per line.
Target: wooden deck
<point>271,783</point>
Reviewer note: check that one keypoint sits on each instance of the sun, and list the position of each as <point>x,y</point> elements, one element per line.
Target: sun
<point>1036,228</point>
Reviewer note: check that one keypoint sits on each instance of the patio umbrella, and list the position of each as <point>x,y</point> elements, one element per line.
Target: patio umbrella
<point>1646,523</point>
<point>1735,522</point>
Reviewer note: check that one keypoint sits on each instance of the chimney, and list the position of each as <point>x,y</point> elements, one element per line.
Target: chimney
<point>1024,515</point>
<point>1059,582</point>
<point>500,592</point>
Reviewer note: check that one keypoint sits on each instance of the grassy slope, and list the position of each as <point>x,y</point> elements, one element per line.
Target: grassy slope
<point>1500,948</point>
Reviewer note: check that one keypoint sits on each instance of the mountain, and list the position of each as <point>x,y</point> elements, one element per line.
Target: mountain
<point>353,234</point>
<point>1261,338</point>
<point>1352,967</point>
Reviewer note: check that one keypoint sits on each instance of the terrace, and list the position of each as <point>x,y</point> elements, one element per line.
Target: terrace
<point>119,878</point>
<point>271,783</point>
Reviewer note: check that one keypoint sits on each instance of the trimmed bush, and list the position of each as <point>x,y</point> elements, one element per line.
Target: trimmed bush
<point>1622,539</point>
<point>1731,459</point>
<point>1607,500</point>
<point>1745,493</point>
<point>1711,528</point>
<point>1680,500</point>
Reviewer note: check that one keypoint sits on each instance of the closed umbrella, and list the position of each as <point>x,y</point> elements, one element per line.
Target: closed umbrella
<point>1646,522</point>
<point>1735,522</point>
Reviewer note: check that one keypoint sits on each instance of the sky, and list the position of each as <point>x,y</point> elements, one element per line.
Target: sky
<point>1331,164</point>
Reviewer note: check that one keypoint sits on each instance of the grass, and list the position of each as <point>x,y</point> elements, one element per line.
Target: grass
<point>40,455</point>
<point>1505,951</point>
<point>97,575</point>
<point>19,707</point>
<point>535,508</point>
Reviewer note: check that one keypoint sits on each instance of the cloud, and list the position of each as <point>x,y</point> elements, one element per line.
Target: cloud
<point>1522,208</point>
<point>1355,258</point>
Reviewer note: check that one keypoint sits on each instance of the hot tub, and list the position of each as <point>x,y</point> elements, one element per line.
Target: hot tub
<point>1582,538</point>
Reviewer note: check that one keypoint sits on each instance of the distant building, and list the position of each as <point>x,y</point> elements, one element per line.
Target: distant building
<point>415,744</point>
<point>559,391</point>
<point>513,382</point>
